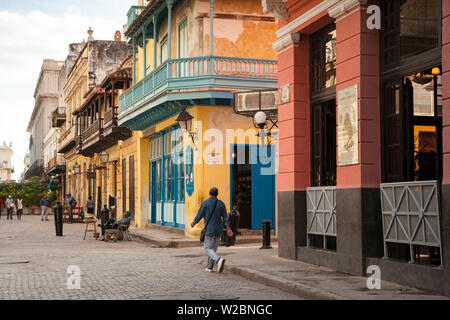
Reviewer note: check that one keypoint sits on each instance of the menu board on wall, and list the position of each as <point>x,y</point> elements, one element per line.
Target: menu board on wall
<point>348,126</point>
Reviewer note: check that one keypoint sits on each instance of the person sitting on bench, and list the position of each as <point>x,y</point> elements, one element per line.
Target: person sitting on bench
<point>113,224</point>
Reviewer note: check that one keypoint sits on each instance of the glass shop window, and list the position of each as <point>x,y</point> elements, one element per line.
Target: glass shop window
<point>412,128</point>
<point>323,58</point>
<point>410,27</point>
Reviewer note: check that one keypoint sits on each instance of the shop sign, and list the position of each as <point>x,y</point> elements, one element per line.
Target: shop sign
<point>348,126</point>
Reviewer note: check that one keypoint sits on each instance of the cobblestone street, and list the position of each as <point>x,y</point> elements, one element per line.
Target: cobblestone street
<point>34,262</point>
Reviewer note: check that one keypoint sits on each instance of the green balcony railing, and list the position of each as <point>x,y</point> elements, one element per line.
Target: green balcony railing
<point>134,13</point>
<point>201,72</point>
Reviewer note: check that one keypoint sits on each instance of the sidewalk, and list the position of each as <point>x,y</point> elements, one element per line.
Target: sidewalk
<point>305,280</point>
<point>167,237</point>
<point>311,281</point>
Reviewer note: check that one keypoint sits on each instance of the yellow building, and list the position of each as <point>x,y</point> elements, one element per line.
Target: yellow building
<point>99,75</point>
<point>176,71</point>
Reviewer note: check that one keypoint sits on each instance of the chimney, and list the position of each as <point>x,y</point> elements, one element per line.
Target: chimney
<point>90,33</point>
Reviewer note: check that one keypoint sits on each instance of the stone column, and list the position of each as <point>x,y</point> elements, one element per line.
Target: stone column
<point>294,137</point>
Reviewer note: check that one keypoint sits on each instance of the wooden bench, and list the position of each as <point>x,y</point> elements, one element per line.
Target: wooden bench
<point>75,213</point>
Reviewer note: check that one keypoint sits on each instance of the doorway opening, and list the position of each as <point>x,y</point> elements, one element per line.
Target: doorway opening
<point>242,185</point>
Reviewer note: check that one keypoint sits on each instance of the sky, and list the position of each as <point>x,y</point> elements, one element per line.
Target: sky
<point>34,30</point>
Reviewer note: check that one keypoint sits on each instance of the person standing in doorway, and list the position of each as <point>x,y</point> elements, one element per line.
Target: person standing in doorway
<point>19,207</point>
<point>213,211</point>
<point>9,208</point>
<point>44,208</point>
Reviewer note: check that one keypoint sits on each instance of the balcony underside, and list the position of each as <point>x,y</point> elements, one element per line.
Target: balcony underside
<point>65,148</point>
<point>56,170</point>
<point>115,133</point>
<point>149,113</point>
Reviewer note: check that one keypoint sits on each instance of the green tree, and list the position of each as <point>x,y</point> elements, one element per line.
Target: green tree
<point>31,191</point>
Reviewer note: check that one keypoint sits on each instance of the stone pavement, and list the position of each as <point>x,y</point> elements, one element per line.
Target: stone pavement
<point>34,263</point>
<point>305,280</point>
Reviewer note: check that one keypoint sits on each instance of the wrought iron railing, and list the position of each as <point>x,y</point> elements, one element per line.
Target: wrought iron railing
<point>58,160</point>
<point>411,214</point>
<point>134,13</point>
<point>321,211</point>
<point>201,72</point>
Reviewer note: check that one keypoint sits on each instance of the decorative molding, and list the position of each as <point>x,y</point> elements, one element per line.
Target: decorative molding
<point>277,8</point>
<point>286,40</point>
<point>344,6</point>
<point>324,5</point>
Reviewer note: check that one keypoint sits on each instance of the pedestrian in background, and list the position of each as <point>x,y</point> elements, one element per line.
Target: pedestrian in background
<point>44,208</point>
<point>213,211</point>
<point>1,207</point>
<point>71,203</point>
<point>19,207</point>
<point>90,205</point>
<point>9,208</point>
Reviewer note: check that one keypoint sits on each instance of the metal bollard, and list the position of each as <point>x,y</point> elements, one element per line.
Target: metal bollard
<point>266,231</point>
<point>58,213</point>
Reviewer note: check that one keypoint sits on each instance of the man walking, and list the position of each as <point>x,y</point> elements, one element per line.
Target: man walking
<point>44,208</point>
<point>9,208</point>
<point>213,211</point>
<point>19,207</point>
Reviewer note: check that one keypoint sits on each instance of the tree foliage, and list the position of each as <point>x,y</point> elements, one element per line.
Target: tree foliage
<point>31,191</point>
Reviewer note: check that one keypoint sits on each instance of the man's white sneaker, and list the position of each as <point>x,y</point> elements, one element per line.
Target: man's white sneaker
<point>220,265</point>
<point>208,270</point>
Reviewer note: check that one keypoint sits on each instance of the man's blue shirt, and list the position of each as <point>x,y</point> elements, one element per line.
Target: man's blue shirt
<point>44,202</point>
<point>215,225</point>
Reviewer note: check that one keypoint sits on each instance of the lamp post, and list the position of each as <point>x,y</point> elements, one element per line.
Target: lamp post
<point>261,122</point>
<point>185,121</point>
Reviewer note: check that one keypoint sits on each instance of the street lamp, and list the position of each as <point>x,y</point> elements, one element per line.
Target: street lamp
<point>104,157</point>
<point>185,121</point>
<point>261,119</point>
<point>260,122</point>
<point>76,169</point>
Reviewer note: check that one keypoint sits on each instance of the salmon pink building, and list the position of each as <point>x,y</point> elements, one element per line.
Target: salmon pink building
<point>364,136</point>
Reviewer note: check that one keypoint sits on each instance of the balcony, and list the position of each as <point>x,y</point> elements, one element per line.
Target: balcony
<point>58,117</point>
<point>67,140</point>
<point>112,132</point>
<point>35,170</point>
<point>134,13</point>
<point>56,165</point>
<point>91,138</point>
<point>190,79</point>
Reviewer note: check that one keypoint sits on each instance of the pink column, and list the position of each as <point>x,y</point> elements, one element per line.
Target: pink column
<point>293,118</point>
<point>358,63</point>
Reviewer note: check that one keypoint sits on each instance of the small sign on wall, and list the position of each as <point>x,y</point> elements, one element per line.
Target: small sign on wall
<point>348,126</point>
<point>285,94</point>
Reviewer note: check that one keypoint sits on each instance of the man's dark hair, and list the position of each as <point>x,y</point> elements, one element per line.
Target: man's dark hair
<point>214,192</point>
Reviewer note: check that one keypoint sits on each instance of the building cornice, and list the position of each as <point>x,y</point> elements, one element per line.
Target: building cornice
<point>321,7</point>
<point>286,41</point>
<point>277,8</point>
<point>344,6</point>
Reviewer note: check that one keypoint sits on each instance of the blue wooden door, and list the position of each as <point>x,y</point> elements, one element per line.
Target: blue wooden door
<point>153,194</point>
<point>263,185</point>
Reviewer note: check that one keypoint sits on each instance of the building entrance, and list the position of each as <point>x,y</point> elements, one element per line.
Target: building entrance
<point>253,185</point>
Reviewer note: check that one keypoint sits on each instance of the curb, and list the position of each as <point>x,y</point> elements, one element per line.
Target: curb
<point>166,243</point>
<point>300,290</point>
